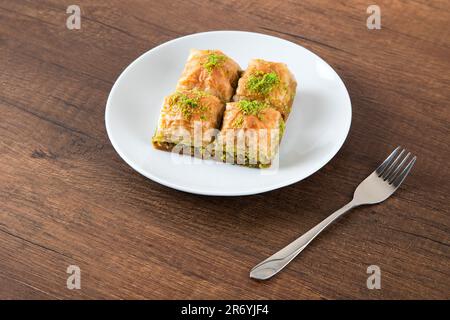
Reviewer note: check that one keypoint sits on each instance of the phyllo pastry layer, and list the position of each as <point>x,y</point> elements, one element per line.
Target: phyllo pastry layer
<point>270,82</point>
<point>211,71</point>
<point>188,118</point>
<point>250,134</point>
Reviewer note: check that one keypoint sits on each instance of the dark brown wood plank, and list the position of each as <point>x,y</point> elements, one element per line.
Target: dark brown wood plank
<point>67,198</point>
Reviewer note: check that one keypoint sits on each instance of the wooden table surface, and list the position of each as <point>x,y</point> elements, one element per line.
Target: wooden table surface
<point>67,198</point>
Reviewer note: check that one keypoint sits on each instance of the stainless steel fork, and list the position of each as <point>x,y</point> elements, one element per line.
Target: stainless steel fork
<point>377,187</point>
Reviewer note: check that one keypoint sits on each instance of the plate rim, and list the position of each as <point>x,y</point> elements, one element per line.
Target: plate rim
<point>192,190</point>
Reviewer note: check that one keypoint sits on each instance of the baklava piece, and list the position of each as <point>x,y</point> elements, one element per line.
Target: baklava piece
<point>210,71</point>
<point>188,122</point>
<point>269,82</point>
<point>250,134</point>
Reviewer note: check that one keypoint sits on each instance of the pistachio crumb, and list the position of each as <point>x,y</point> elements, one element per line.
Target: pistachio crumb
<point>252,107</point>
<point>262,83</point>
<point>188,104</point>
<point>213,60</point>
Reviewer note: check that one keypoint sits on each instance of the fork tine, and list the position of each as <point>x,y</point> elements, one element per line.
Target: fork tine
<point>386,162</point>
<point>388,170</point>
<point>398,181</point>
<point>393,175</point>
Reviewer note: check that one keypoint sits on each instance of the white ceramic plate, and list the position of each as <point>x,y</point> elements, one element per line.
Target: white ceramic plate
<point>315,131</point>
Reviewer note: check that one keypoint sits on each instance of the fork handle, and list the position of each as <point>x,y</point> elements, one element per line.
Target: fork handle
<point>275,263</point>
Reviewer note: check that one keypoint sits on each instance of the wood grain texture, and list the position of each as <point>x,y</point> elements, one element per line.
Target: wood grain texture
<point>67,198</point>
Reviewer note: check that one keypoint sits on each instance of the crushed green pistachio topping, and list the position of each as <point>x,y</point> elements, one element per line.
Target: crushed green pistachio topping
<point>252,107</point>
<point>282,128</point>
<point>238,122</point>
<point>188,105</point>
<point>214,60</point>
<point>261,82</point>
